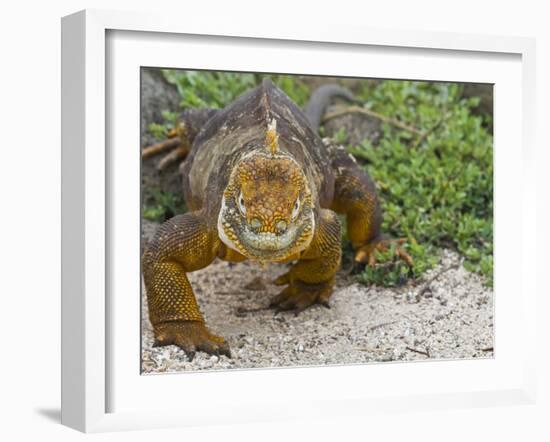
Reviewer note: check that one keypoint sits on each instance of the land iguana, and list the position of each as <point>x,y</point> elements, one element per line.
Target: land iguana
<point>259,184</point>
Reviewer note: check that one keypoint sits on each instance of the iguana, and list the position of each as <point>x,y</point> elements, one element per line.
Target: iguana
<point>259,184</point>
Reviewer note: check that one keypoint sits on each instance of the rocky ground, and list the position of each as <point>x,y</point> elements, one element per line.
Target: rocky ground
<point>447,315</point>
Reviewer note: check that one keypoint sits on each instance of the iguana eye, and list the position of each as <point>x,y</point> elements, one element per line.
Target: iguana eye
<point>296,208</point>
<point>240,202</point>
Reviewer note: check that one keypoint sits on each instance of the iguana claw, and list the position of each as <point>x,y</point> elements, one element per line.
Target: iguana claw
<point>298,296</point>
<point>366,254</point>
<point>190,336</point>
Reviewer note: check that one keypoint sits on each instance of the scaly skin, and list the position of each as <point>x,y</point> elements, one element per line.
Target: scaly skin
<point>267,210</point>
<point>355,196</point>
<point>262,186</point>
<point>182,244</point>
<point>311,279</point>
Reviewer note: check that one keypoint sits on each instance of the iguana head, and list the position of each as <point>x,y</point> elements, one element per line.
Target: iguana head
<point>267,209</point>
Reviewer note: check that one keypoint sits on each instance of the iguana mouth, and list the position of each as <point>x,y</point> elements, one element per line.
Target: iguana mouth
<point>266,241</point>
<point>267,246</point>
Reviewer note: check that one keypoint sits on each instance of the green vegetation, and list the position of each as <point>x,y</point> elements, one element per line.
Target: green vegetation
<point>435,190</point>
<point>160,206</point>
<point>217,89</point>
<point>204,89</point>
<point>435,183</point>
<point>160,131</point>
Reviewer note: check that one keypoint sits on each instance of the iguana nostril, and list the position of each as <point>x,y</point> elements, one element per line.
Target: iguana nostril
<point>281,226</point>
<point>255,223</point>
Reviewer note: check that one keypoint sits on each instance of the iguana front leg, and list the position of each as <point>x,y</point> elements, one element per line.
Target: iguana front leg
<point>182,244</point>
<point>311,279</point>
<point>355,196</point>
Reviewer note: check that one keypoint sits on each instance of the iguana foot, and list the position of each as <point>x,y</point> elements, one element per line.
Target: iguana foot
<point>176,148</point>
<point>298,295</point>
<point>161,147</point>
<point>180,138</point>
<point>366,254</point>
<point>190,336</point>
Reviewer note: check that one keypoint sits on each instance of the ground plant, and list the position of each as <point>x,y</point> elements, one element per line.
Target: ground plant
<point>432,165</point>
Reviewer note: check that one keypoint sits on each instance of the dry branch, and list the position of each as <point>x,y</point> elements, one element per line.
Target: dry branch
<point>371,113</point>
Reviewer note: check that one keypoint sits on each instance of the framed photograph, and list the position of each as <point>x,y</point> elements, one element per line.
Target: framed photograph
<point>279,223</point>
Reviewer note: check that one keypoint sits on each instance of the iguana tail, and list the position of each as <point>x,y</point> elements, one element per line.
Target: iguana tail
<point>320,100</point>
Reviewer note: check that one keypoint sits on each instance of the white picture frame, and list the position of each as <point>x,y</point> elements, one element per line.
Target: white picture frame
<point>90,172</point>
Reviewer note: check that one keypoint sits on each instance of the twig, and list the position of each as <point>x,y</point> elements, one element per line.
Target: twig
<point>487,349</point>
<point>374,350</point>
<point>422,352</point>
<point>371,113</point>
<point>426,133</point>
<point>383,324</point>
<point>229,293</point>
<point>241,311</point>
<point>426,286</point>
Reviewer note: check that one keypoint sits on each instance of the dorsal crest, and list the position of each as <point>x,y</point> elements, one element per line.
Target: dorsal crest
<point>271,137</point>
